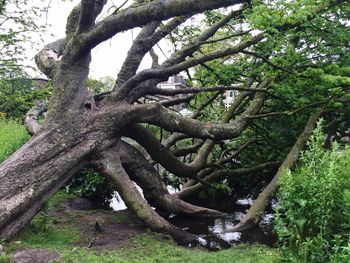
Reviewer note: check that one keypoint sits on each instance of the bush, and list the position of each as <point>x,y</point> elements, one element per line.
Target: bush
<point>12,136</point>
<point>90,184</point>
<point>313,216</point>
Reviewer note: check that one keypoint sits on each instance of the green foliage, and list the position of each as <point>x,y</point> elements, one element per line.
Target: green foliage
<point>18,94</point>
<point>312,218</point>
<point>12,136</point>
<point>99,86</point>
<point>41,222</point>
<point>19,25</point>
<point>5,258</point>
<point>89,184</point>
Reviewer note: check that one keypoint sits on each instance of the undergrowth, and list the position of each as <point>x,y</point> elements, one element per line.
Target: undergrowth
<point>313,216</point>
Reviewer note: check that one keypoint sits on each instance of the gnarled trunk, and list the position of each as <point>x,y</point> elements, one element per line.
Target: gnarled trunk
<point>34,173</point>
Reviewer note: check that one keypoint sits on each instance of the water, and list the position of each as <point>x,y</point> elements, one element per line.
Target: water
<point>214,233</point>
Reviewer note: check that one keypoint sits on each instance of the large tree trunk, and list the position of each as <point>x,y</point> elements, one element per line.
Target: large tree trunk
<point>35,172</point>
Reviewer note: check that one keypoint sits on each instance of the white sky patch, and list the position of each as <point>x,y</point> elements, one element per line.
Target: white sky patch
<point>107,58</point>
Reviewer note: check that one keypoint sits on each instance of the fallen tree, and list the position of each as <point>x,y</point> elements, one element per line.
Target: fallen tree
<point>82,130</point>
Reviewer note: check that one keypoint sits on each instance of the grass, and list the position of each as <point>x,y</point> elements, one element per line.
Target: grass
<point>148,247</point>
<point>145,248</point>
<point>4,258</point>
<point>12,136</point>
<point>61,237</point>
<point>59,198</point>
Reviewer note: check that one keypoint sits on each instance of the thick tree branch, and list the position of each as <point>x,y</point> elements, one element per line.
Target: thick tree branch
<point>155,191</point>
<point>193,189</point>
<point>158,115</point>
<point>110,165</point>
<point>253,215</point>
<point>167,159</point>
<point>144,42</point>
<point>188,90</point>
<point>86,16</point>
<point>158,10</point>
<point>47,58</point>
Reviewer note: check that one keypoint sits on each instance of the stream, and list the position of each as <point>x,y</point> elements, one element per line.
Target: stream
<point>213,233</point>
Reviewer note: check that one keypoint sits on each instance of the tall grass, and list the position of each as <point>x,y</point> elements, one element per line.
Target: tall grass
<point>12,136</point>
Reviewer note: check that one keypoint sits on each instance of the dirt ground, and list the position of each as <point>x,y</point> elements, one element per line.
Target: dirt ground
<point>99,229</point>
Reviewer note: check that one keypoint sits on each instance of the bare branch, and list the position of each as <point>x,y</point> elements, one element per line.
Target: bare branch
<point>186,192</point>
<point>253,215</point>
<point>155,58</point>
<point>190,149</point>
<point>281,113</point>
<point>267,61</point>
<point>31,118</point>
<point>188,90</point>
<point>164,73</point>
<point>178,101</point>
<point>209,101</point>
<point>144,42</point>
<point>176,58</point>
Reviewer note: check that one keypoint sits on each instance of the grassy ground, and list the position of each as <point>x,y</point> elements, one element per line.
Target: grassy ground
<point>57,232</point>
<point>12,136</point>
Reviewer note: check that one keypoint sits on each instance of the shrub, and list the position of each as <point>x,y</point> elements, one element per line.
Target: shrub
<point>12,136</point>
<point>89,184</point>
<point>312,219</point>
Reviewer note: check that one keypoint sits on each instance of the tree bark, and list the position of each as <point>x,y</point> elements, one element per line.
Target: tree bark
<point>155,191</point>
<point>110,165</point>
<point>33,174</point>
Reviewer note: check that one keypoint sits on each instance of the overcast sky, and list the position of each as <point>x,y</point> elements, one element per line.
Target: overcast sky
<point>107,58</point>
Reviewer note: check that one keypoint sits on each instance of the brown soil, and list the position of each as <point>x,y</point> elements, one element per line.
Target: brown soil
<point>99,229</point>
<point>31,255</point>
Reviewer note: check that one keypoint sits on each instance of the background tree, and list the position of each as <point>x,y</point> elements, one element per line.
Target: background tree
<point>19,30</point>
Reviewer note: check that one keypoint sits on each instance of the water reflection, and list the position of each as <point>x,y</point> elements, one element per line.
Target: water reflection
<point>213,232</point>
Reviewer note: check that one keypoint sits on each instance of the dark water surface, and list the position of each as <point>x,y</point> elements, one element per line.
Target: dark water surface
<point>214,233</point>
